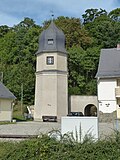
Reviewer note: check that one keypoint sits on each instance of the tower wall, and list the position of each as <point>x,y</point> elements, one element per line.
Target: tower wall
<point>51,92</point>
<point>60,62</point>
<point>51,89</point>
<point>62,95</point>
<point>46,95</point>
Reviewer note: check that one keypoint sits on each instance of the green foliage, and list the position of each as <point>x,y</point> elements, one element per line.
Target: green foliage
<point>46,147</point>
<point>4,30</point>
<point>91,14</point>
<point>7,122</point>
<point>102,27</point>
<point>17,53</point>
<point>19,44</point>
<point>115,14</point>
<point>82,65</point>
<point>18,112</point>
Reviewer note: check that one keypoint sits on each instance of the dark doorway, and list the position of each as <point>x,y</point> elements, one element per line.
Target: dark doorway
<point>90,110</point>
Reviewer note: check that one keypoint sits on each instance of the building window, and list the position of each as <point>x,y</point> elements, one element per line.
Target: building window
<point>50,60</point>
<point>50,41</point>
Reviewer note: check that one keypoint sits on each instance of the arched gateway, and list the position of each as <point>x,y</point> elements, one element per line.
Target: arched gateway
<point>90,110</point>
<point>86,104</point>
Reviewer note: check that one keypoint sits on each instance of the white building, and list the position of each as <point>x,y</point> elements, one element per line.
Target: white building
<point>108,81</point>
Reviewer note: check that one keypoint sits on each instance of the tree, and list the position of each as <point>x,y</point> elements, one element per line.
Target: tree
<point>115,15</point>
<point>19,44</point>
<point>91,14</point>
<point>104,31</point>
<point>17,53</point>
<point>82,67</point>
<point>4,30</point>
<point>90,64</point>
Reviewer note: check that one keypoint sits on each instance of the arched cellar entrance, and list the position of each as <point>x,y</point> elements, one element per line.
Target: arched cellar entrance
<point>90,110</point>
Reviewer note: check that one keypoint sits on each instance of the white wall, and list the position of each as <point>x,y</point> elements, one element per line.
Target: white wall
<point>85,125</point>
<point>107,106</point>
<point>106,89</point>
<point>106,95</point>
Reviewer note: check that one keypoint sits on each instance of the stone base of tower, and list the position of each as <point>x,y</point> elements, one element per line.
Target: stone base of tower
<point>38,120</point>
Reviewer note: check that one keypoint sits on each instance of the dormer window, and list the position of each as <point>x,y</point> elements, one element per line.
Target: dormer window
<point>50,60</point>
<point>50,41</point>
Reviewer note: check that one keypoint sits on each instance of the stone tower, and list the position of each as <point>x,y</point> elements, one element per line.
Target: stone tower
<point>51,90</point>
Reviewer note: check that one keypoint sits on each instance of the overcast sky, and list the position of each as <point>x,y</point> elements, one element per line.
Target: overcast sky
<point>13,11</point>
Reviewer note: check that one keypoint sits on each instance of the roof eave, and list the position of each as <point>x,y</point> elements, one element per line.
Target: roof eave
<point>50,51</point>
<point>13,98</point>
<point>107,76</point>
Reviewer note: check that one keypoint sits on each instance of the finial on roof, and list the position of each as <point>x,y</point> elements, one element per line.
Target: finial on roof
<point>52,15</point>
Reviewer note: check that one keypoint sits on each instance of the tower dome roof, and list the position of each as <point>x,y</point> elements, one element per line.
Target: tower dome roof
<point>52,40</point>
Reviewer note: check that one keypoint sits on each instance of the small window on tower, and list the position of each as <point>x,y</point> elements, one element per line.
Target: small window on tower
<point>50,60</point>
<point>50,41</point>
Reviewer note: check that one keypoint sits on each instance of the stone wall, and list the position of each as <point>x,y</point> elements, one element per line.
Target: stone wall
<point>107,117</point>
<point>77,103</point>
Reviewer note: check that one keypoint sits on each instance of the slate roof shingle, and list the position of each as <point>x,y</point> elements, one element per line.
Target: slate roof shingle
<point>55,34</point>
<point>109,63</point>
<point>5,93</point>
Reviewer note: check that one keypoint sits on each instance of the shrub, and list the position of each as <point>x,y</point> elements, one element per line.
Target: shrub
<point>52,147</point>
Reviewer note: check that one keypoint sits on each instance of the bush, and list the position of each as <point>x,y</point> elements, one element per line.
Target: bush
<point>63,148</point>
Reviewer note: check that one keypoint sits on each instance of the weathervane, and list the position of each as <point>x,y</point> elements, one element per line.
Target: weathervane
<point>52,14</point>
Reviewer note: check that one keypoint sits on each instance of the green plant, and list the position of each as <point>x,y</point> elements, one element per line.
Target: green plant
<point>61,147</point>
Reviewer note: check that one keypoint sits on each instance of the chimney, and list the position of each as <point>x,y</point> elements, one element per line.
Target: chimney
<point>118,46</point>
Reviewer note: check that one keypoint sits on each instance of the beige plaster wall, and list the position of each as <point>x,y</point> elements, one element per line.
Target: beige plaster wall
<point>46,96</point>
<point>5,110</point>
<point>51,96</point>
<point>62,96</point>
<point>51,86</point>
<point>78,103</point>
<point>41,62</point>
<point>60,62</point>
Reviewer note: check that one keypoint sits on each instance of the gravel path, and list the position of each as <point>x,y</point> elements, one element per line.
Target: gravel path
<point>28,128</point>
<point>35,128</point>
